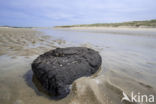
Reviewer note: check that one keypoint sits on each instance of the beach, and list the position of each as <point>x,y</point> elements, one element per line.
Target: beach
<point>128,63</point>
<point>126,30</point>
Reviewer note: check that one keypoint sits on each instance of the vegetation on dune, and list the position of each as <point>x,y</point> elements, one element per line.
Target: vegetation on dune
<point>147,23</point>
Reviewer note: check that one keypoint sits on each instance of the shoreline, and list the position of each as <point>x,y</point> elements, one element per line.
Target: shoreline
<point>114,30</point>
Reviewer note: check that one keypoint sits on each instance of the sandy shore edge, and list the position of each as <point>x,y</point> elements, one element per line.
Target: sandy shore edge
<point>114,30</point>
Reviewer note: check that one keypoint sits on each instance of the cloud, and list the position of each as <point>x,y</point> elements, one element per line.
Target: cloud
<point>63,12</point>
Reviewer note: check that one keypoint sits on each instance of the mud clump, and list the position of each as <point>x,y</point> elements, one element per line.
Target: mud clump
<point>57,69</point>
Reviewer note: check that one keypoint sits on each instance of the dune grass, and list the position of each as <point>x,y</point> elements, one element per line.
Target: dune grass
<point>147,23</point>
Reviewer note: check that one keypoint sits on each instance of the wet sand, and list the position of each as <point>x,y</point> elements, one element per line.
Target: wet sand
<point>123,69</point>
<point>116,30</point>
<point>23,42</point>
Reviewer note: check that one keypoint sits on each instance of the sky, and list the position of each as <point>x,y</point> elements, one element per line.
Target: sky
<point>45,13</point>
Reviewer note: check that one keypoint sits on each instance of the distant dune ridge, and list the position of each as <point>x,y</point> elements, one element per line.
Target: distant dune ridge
<point>144,24</point>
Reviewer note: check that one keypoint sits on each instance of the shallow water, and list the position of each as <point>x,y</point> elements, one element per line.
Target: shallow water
<point>129,65</point>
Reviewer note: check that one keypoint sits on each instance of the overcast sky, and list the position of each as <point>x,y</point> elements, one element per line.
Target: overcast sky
<point>67,12</point>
